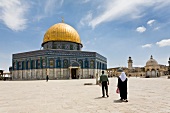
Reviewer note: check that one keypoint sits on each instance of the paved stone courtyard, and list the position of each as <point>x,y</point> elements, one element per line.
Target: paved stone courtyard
<point>145,95</point>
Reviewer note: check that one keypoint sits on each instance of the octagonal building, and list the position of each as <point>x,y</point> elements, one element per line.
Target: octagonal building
<point>60,58</point>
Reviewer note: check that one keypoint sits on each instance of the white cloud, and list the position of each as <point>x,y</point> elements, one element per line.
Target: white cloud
<point>137,16</point>
<point>39,17</point>
<point>50,8</point>
<point>156,28</point>
<point>141,29</point>
<point>147,46</point>
<point>51,5</point>
<point>116,9</point>
<point>162,43</point>
<point>150,22</point>
<point>85,1</point>
<point>86,19</point>
<point>87,42</point>
<point>13,14</point>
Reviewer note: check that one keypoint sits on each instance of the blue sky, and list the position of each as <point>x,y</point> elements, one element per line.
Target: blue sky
<point>116,29</point>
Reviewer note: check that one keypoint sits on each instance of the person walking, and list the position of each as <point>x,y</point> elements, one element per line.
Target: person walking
<point>47,78</point>
<point>122,85</point>
<point>105,82</point>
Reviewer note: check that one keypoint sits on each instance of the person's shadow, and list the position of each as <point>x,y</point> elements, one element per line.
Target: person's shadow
<point>100,97</point>
<point>117,101</point>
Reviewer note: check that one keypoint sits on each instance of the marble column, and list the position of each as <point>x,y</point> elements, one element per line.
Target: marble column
<point>70,72</point>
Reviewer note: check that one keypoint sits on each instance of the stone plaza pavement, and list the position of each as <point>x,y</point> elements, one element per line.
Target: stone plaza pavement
<point>145,95</point>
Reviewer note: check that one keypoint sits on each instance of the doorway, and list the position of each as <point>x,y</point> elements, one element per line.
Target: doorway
<point>73,74</point>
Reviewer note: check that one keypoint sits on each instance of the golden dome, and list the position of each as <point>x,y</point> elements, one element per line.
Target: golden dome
<point>61,32</point>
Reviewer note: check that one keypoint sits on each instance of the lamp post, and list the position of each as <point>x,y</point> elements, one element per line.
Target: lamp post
<point>97,81</point>
<point>169,66</point>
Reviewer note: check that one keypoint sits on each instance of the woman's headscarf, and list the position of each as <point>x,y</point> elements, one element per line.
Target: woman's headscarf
<point>122,76</point>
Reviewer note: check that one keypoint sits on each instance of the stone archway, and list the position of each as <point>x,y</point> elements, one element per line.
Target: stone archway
<point>153,73</point>
<point>73,73</point>
<point>157,73</point>
<point>148,73</point>
<point>74,70</point>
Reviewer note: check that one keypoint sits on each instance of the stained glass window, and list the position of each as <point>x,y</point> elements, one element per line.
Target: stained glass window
<point>65,62</point>
<point>92,64</point>
<point>51,63</point>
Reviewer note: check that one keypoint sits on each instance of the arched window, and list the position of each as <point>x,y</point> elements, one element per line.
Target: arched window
<point>103,66</point>
<point>20,65</point>
<point>43,63</point>
<point>86,64</point>
<point>91,64</point>
<point>51,63</point>
<point>23,65</point>
<point>65,63</point>
<point>81,63</point>
<point>100,65</point>
<point>32,64</point>
<point>38,64</point>
<point>58,63</point>
<point>28,64</point>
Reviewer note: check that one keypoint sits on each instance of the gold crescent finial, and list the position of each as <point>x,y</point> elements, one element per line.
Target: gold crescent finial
<point>62,19</point>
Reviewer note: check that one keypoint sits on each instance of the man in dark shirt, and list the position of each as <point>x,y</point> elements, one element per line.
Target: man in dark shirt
<point>105,82</point>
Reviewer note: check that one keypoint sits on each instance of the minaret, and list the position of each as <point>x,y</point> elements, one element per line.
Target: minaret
<point>130,62</point>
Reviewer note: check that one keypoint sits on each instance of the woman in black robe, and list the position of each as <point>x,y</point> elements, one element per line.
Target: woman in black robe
<point>122,85</point>
<point>47,78</point>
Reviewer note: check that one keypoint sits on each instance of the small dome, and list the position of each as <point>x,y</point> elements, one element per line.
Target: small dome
<point>120,69</point>
<point>151,62</point>
<point>61,32</point>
